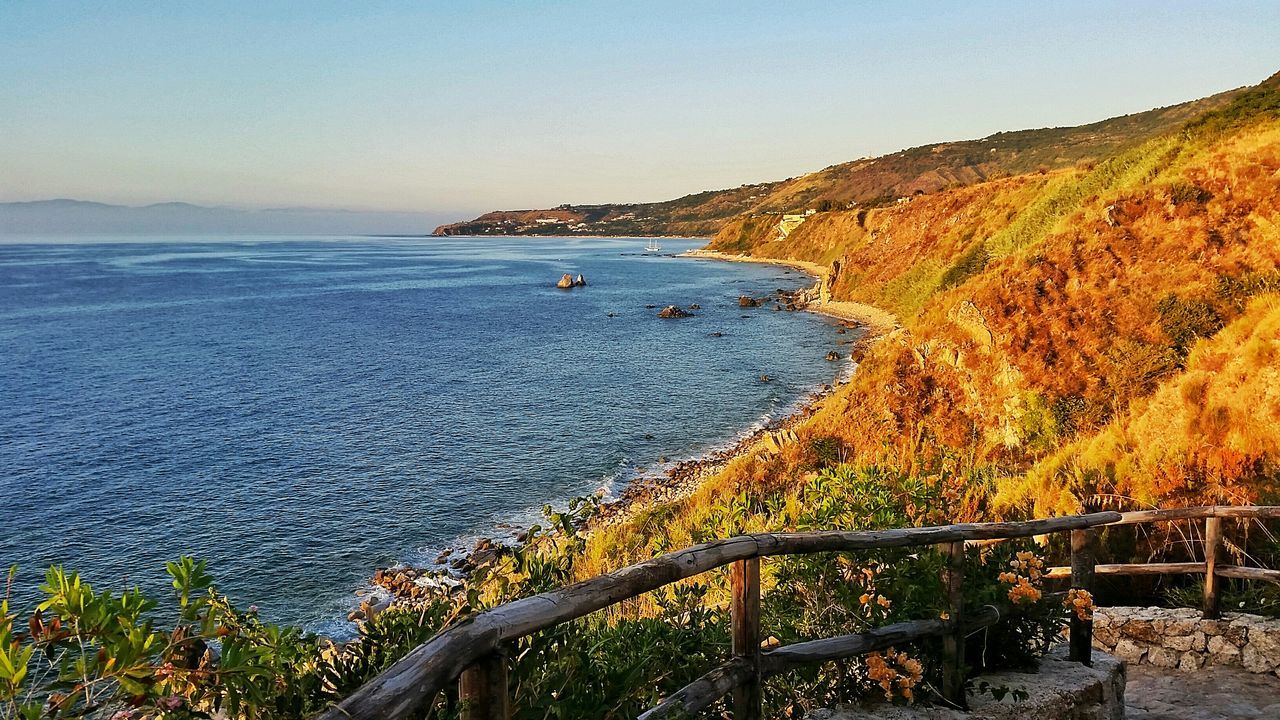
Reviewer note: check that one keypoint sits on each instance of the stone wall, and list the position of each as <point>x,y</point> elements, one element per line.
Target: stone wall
<point>1181,638</point>
<point>1061,690</point>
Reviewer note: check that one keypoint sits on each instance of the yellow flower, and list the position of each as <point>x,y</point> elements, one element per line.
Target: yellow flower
<point>1024,593</point>
<point>1080,602</point>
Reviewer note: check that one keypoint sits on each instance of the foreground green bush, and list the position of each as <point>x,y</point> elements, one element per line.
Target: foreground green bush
<point>85,653</point>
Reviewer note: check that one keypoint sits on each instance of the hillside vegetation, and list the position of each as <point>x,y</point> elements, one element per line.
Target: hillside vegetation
<point>866,182</point>
<point>1099,336</point>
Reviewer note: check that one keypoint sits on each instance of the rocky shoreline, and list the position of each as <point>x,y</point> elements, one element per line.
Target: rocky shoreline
<point>404,584</point>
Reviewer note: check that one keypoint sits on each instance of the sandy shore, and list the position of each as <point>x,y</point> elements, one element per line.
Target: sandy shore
<point>877,321</point>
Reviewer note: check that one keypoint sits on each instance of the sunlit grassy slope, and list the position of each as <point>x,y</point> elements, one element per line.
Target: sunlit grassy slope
<point>1102,335</point>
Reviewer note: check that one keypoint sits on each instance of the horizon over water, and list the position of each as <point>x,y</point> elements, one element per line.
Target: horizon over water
<point>299,411</point>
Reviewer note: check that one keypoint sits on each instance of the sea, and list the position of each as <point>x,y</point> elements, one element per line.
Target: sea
<point>300,411</point>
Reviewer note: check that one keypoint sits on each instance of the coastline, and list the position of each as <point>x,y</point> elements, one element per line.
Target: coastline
<point>878,322</point>
<point>685,477</point>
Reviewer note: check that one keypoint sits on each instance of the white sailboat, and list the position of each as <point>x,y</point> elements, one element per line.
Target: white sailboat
<point>653,246</point>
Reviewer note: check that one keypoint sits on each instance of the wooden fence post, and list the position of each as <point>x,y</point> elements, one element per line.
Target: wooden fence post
<point>1212,548</point>
<point>953,642</point>
<point>744,578</point>
<point>1082,562</point>
<point>482,690</point>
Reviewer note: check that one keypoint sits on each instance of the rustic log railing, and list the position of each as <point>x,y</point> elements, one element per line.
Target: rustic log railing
<point>471,652</point>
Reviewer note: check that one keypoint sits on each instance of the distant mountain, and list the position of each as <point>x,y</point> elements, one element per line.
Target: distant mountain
<point>80,217</point>
<point>866,182</point>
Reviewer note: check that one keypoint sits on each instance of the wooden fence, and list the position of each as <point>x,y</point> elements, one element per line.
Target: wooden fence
<point>471,652</point>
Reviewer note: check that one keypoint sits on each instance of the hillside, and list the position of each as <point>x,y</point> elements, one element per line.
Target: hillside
<point>1095,337</point>
<point>867,182</point>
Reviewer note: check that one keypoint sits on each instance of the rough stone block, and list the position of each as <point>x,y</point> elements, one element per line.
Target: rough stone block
<point>1237,633</point>
<point>1255,661</point>
<point>1130,651</point>
<point>1223,652</point>
<point>1191,661</point>
<point>1199,641</point>
<point>1183,622</point>
<point>1104,637</point>
<point>1181,643</point>
<point>1266,639</point>
<point>1163,657</point>
<point>1142,631</point>
<point>1213,627</point>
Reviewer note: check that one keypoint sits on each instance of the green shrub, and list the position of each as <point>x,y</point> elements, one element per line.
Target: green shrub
<point>1133,368</point>
<point>969,263</point>
<point>1186,320</point>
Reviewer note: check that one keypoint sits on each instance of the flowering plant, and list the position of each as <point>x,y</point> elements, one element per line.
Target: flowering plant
<point>1028,571</point>
<point>894,669</point>
<point>1003,575</point>
<point>1080,602</point>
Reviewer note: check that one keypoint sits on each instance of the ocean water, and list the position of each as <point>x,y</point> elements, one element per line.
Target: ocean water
<point>300,411</point>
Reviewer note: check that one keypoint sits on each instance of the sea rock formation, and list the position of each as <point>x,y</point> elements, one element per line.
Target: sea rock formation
<point>566,282</point>
<point>748,301</point>
<point>672,312</point>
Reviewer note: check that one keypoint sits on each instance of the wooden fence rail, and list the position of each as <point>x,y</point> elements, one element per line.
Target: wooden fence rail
<point>471,652</point>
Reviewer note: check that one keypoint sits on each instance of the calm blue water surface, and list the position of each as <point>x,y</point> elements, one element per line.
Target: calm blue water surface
<point>299,411</point>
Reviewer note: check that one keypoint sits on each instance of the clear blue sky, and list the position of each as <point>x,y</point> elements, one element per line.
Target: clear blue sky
<point>461,107</point>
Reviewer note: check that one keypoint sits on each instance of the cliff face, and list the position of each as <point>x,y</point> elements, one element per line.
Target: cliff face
<point>868,182</point>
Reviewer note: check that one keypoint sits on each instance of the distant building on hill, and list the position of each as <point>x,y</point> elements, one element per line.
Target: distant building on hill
<point>790,223</point>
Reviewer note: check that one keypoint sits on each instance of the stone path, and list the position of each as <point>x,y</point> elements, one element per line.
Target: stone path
<point>1211,693</point>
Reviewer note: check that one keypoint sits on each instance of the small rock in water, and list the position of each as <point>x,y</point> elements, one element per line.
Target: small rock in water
<point>695,306</point>
<point>764,378</point>
<point>566,282</point>
<point>650,307</point>
<point>833,356</point>
<point>672,312</point>
<point>580,281</point>
<point>748,301</point>
<point>715,334</point>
